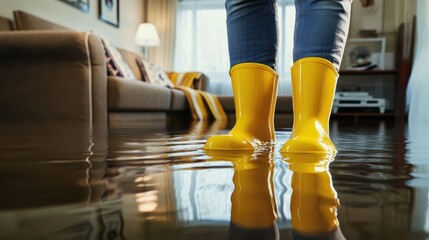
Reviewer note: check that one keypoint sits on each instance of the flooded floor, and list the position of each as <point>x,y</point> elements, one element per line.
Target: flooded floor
<point>149,182</point>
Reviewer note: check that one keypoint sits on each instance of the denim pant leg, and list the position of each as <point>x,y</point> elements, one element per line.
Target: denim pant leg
<point>321,29</point>
<point>252,31</point>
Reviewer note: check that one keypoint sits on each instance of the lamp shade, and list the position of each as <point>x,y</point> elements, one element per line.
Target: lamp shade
<point>147,35</point>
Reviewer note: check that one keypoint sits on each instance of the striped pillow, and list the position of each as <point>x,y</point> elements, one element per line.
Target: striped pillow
<point>116,66</point>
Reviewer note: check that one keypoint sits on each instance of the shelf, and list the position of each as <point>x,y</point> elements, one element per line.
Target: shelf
<point>368,72</point>
<point>363,114</point>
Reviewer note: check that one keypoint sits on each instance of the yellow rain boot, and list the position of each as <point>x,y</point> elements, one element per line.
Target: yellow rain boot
<point>255,95</point>
<point>313,88</point>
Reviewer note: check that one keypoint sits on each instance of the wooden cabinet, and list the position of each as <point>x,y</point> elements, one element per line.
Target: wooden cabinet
<point>380,84</point>
<point>389,84</point>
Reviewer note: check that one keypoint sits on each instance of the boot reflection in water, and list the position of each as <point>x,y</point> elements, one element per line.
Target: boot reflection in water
<point>314,202</point>
<point>254,213</point>
<point>321,29</point>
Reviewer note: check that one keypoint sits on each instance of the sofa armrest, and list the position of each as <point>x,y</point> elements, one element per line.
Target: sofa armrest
<point>52,75</point>
<point>202,82</point>
<point>199,81</point>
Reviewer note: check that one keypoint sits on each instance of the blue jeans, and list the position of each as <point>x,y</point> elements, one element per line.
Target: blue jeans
<point>321,30</point>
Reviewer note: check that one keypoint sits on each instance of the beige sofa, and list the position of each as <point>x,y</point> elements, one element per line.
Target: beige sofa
<point>49,72</point>
<point>5,24</point>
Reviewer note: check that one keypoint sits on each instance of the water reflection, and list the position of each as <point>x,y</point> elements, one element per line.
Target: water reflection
<point>254,214</point>
<point>253,211</point>
<point>56,184</point>
<point>314,202</point>
<point>62,182</point>
<point>417,154</point>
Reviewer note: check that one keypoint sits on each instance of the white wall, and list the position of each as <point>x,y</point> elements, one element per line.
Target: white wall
<point>385,16</point>
<point>366,18</point>
<point>131,15</point>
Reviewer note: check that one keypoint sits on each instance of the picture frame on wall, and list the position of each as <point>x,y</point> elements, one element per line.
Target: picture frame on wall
<point>109,12</point>
<point>82,5</point>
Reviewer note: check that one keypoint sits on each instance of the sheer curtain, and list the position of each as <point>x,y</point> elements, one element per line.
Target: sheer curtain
<point>201,42</point>
<point>418,86</point>
<point>163,15</point>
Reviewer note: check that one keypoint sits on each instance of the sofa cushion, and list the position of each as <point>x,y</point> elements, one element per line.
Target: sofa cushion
<point>26,21</point>
<point>131,95</point>
<point>227,103</point>
<point>284,104</point>
<point>178,100</point>
<point>142,70</point>
<point>131,59</point>
<point>5,24</point>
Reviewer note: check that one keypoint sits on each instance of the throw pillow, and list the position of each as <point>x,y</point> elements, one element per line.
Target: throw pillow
<point>154,73</point>
<point>142,70</point>
<point>116,66</point>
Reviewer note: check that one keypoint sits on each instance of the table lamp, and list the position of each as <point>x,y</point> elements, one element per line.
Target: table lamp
<point>147,36</point>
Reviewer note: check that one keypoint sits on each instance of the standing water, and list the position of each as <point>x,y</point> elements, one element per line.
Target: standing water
<point>140,182</point>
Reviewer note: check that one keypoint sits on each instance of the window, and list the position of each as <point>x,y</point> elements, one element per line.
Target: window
<point>201,42</point>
